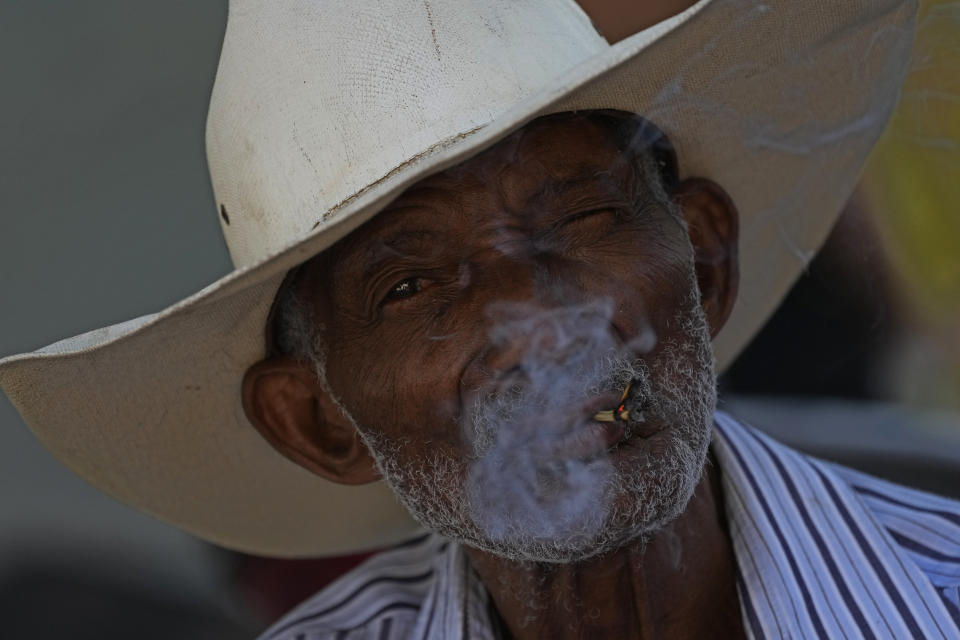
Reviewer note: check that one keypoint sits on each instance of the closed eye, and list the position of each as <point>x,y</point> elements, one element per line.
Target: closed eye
<point>591,225</point>
<point>580,216</point>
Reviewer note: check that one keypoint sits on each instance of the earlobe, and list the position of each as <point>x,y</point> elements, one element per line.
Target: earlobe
<point>285,401</point>
<point>714,227</point>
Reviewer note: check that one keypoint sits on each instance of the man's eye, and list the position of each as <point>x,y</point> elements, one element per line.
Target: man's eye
<point>404,289</point>
<point>595,216</point>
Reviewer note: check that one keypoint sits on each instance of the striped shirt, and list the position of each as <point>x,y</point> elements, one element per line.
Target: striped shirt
<point>822,551</point>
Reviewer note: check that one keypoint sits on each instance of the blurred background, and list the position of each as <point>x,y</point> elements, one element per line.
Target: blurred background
<point>106,213</point>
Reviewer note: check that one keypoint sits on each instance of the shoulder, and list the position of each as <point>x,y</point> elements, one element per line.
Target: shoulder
<point>381,598</point>
<point>925,525</point>
<point>888,501</point>
<point>893,505</point>
<point>844,523</point>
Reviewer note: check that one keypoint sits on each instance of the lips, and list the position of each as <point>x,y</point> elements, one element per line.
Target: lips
<point>591,438</point>
<point>632,416</point>
<point>621,413</point>
<point>612,431</point>
<point>574,433</point>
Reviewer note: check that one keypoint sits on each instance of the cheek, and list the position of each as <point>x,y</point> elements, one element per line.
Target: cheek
<point>649,283</point>
<point>401,388</point>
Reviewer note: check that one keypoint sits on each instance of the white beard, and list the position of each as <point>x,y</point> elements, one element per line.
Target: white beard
<point>507,500</point>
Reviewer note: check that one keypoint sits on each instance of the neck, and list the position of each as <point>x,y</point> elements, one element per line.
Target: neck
<point>680,584</point>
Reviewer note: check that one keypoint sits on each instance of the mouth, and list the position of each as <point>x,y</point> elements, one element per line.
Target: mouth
<point>621,413</point>
<point>598,428</point>
<point>630,414</point>
<point>601,429</point>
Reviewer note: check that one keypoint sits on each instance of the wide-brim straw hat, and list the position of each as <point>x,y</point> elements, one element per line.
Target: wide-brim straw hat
<point>323,111</point>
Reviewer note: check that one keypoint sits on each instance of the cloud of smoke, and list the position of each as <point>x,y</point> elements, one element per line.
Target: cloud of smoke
<point>542,485</point>
<point>537,472</point>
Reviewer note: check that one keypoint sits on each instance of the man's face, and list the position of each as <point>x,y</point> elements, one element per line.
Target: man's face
<point>475,326</point>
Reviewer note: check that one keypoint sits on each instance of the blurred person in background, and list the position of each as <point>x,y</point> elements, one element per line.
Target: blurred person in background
<point>911,185</point>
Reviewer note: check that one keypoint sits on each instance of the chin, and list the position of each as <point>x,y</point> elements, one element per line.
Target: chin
<point>643,487</point>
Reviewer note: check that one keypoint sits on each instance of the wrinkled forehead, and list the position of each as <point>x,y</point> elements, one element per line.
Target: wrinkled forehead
<point>550,155</point>
<point>551,148</point>
<point>558,146</point>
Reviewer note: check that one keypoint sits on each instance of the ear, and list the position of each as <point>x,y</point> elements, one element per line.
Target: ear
<point>286,403</point>
<point>714,228</point>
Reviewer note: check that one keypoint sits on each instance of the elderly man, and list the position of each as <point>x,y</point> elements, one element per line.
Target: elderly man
<point>469,268</point>
<point>562,241</point>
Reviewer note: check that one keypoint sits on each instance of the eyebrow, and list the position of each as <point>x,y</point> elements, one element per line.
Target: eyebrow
<point>391,242</point>
<point>582,189</point>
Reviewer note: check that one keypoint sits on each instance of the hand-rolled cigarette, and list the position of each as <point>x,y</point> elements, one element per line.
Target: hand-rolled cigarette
<point>620,413</point>
<point>612,416</point>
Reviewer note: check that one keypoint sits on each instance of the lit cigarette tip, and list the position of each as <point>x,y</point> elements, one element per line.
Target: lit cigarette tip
<point>619,413</point>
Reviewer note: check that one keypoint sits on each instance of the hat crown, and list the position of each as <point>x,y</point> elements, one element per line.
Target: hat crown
<point>316,100</point>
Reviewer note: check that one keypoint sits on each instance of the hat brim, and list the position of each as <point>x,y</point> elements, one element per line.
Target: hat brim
<point>779,105</point>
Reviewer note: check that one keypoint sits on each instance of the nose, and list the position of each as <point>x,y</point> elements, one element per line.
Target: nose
<point>516,334</point>
<point>534,307</point>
